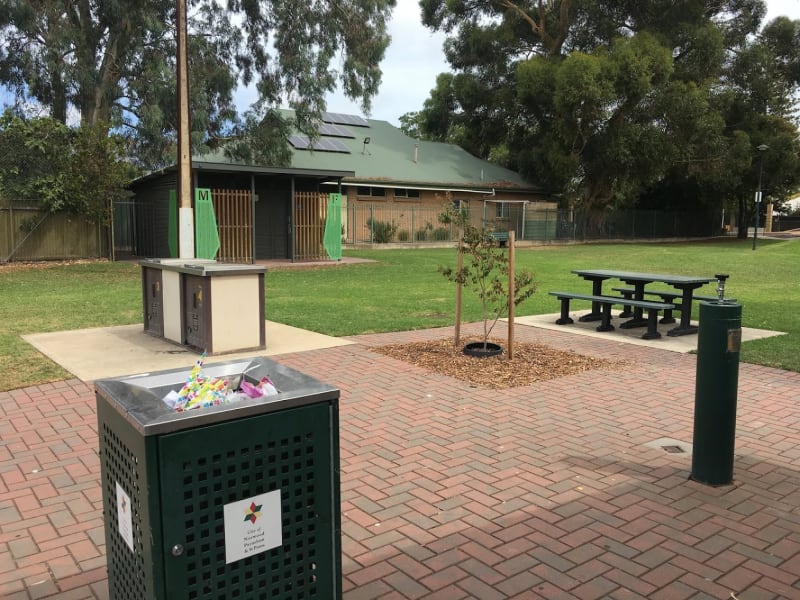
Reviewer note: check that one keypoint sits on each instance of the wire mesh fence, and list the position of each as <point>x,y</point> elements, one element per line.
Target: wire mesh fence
<point>137,229</point>
<point>377,223</point>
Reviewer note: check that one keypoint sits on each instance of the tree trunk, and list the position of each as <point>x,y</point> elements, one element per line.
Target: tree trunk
<point>742,218</point>
<point>96,83</point>
<point>595,203</point>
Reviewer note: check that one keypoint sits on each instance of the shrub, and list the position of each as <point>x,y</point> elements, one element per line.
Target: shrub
<point>403,235</point>
<point>382,231</point>
<point>424,233</point>
<point>441,234</point>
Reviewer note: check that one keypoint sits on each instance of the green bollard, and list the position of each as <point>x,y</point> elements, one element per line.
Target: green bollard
<point>716,388</point>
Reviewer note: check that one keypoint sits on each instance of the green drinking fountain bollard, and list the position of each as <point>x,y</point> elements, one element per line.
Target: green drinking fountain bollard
<point>717,382</point>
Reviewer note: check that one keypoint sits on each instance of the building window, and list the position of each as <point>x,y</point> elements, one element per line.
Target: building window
<point>503,210</point>
<point>403,193</point>
<point>460,205</point>
<point>372,192</point>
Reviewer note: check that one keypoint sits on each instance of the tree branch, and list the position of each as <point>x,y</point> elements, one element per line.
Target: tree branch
<point>552,44</point>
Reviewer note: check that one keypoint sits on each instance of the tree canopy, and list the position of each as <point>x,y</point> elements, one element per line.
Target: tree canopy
<point>112,62</point>
<point>75,170</point>
<point>621,102</point>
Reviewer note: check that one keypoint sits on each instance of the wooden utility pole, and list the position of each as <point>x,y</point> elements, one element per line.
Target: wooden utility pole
<point>185,213</point>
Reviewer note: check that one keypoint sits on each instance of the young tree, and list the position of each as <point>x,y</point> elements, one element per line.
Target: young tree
<point>485,271</point>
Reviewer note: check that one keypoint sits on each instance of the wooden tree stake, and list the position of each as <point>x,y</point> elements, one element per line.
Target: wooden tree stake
<point>511,294</point>
<point>459,266</point>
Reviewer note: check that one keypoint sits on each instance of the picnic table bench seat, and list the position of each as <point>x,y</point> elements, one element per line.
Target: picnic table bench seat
<point>501,237</point>
<point>607,302</point>
<point>666,296</point>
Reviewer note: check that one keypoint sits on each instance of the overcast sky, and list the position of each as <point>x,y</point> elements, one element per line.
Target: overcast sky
<point>415,58</point>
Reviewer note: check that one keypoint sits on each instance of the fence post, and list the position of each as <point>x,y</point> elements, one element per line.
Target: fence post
<point>351,210</point>
<point>546,224</point>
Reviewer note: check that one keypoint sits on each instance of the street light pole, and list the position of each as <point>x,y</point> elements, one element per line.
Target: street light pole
<point>761,150</point>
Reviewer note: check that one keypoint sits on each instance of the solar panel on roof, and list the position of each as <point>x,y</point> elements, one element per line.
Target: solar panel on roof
<point>330,145</point>
<point>335,130</point>
<point>302,142</point>
<point>299,141</point>
<point>343,119</point>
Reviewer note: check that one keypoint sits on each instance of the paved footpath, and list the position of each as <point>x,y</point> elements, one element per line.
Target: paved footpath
<point>552,490</point>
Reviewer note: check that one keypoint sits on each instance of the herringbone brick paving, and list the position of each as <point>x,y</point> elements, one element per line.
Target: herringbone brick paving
<point>455,491</point>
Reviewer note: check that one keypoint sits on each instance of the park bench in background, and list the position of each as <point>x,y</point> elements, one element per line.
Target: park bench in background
<point>501,237</point>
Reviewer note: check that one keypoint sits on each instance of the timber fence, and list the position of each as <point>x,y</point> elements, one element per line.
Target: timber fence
<point>30,233</point>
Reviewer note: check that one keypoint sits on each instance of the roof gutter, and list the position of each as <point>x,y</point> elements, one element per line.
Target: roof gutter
<point>412,187</point>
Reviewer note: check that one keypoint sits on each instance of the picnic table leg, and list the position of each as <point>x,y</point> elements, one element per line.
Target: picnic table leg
<point>638,319</point>
<point>605,324</point>
<point>627,311</point>
<point>685,327</point>
<point>667,298</point>
<point>596,314</point>
<point>652,325</point>
<point>565,318</point>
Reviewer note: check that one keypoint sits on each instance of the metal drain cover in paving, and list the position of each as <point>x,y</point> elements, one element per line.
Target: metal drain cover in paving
<point>671,446</point>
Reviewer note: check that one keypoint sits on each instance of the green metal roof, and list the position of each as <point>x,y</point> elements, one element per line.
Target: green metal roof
<point>393,157</point>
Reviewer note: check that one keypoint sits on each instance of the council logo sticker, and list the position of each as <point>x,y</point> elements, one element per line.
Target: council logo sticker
<point>252,526</point>
<point>124,516</point>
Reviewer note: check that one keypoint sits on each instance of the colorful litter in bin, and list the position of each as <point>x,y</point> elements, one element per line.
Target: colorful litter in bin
<point>200,391</point>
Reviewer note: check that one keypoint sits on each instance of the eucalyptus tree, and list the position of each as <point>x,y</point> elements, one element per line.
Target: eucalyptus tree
<point>755,97</point>
<point>603,99</point>
<point>112,62</point>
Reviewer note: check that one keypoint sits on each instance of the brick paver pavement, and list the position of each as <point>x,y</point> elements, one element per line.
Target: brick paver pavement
<point>455,491</point>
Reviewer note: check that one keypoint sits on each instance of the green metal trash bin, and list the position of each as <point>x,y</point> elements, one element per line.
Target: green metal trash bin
<point>237,501</point>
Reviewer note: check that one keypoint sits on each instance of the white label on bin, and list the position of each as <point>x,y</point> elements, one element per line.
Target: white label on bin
<point>124,518</point>
<point>252,526</point>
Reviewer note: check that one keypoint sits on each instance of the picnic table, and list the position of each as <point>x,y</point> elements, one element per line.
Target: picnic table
<point>686,284</point>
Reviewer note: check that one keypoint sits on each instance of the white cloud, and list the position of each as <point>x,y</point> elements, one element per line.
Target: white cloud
<point>788,8</point>
<point>412,62</point>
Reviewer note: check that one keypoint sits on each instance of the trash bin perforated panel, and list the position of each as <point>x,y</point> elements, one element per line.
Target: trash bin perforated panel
<point>228,463</point>
<point>130,576</point>
<point>181,476</point>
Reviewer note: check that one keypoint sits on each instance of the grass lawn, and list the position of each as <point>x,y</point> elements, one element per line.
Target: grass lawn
<point>401,290</point>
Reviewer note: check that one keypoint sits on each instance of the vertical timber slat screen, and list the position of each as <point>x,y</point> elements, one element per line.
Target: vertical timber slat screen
<point>234,212</point>
<point>311,210</point>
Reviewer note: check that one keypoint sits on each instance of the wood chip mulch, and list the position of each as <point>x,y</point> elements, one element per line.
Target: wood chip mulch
<point>531,363</point>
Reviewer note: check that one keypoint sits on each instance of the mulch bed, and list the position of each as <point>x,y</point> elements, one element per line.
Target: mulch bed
<point>531,363</point>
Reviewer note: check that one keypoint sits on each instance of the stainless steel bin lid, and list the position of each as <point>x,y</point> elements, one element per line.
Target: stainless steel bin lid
<point>139,398</point>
